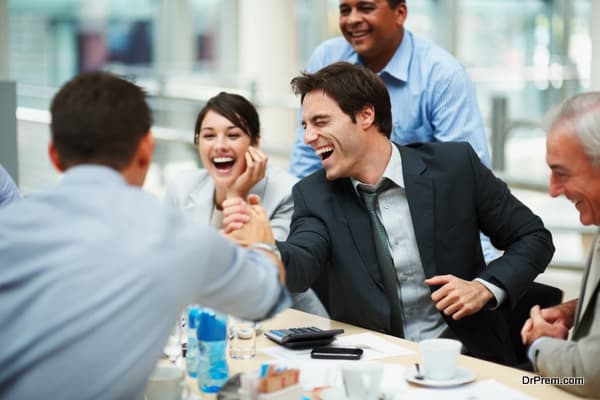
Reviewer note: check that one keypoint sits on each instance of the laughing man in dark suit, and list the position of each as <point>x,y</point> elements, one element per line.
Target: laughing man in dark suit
<point>436,198</point>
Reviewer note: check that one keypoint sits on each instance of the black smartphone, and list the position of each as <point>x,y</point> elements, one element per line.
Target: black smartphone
<point>337,353</point>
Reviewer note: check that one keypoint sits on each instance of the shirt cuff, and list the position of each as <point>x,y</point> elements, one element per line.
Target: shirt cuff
<point>498,293</point>
<point>284,301</point>
<point>533,348</point>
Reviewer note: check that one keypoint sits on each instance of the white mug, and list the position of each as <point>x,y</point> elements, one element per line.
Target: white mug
<point>362,380</point>
<point>439,358</point>
<point>167,382</point>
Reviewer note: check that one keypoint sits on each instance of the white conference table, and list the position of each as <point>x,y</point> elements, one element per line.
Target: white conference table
<point>485,370</point>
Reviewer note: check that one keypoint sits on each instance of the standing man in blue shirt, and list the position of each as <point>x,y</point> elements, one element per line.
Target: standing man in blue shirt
<point>8,188</point>
<point>433,99</point>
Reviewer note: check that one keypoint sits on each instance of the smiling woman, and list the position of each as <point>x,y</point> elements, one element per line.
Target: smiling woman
<point>227,134</point>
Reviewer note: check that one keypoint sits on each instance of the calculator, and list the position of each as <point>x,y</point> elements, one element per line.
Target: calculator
<point>304,337</point>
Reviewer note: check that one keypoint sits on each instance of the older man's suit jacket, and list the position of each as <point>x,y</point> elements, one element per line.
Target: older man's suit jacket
<point>580,356</point>
<point>451,197</point>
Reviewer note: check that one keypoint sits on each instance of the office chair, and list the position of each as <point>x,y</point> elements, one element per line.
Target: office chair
<point>537,293</point>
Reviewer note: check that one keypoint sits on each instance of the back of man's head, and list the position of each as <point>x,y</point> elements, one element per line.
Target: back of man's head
<point>98,118</point>
<point>580,114</point>
<point>352,87</point>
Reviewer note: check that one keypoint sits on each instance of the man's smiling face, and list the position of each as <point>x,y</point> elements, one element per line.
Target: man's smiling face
<point>332,135</point>
<point>373,29</point>
<point>572,173</point>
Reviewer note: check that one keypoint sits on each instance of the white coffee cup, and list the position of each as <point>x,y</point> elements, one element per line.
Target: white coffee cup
<point>439,358</point>
<point>167,382</point>
<point>362,380</point>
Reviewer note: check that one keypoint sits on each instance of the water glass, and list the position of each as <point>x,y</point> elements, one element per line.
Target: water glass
<point>242,338</point>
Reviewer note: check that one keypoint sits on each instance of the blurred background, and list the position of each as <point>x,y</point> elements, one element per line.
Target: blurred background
<point>524,56</point>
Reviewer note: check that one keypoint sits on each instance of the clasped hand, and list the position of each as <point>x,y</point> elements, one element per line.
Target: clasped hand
<point>551,322</point>
<point>246,223</point>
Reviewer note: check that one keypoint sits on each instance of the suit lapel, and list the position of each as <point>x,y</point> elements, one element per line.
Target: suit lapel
<point>200,201</point>
<point>360,227</point>
<point>590,283</point>
<point>419,194</point>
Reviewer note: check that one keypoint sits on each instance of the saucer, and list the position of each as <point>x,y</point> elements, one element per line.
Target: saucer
<point>463,375</point>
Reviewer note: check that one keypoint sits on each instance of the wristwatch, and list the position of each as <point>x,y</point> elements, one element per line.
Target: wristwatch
<point>271,248</point>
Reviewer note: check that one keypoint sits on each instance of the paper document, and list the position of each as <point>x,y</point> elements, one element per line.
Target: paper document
<point>487,389</point>
<point>374,347</point>
<point>323,373</point>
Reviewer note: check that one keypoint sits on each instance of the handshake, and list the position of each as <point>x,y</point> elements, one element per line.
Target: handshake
<point>248,224</point>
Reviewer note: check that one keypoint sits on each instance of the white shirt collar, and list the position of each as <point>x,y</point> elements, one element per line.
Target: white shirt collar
<point>393,171</point>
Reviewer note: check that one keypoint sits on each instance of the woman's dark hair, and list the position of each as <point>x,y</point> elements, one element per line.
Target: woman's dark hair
<point>235,108</point>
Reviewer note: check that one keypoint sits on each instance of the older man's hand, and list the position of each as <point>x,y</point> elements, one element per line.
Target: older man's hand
<point>552,321</point>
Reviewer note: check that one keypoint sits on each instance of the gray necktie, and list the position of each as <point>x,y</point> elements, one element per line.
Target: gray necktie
<point>384,257</point>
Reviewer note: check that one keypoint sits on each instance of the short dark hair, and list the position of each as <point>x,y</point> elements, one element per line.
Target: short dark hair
<point>99,118</point>
<point>352,87</point>
<point>235,108</point>
<point>395,3</point>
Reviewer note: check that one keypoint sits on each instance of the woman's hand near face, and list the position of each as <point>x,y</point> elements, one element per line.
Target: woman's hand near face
<point>256,164</point>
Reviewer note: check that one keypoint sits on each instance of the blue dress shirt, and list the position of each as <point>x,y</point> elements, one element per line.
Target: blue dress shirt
<point>94,274</point>
<point>432,98</point>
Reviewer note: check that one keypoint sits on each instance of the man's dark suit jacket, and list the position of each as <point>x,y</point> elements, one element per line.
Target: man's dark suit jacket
<point>451,196</point>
